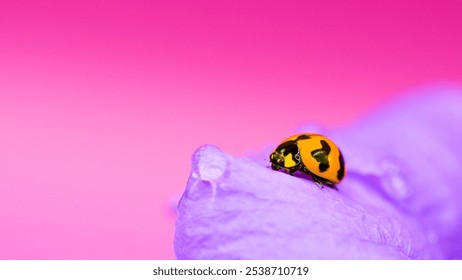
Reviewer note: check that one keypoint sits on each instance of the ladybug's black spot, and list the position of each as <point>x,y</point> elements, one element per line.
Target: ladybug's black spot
<point>303,137</point>
<point>289,147</point>
<point>321,156</point>
<point>323,167</point>
<point>341,171</point>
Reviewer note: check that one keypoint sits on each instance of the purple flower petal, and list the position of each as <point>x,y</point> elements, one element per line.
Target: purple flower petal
<point>411,153</point>
<point>400,199</point>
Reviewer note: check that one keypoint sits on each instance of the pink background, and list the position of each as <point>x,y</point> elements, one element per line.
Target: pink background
<point>102,103</point>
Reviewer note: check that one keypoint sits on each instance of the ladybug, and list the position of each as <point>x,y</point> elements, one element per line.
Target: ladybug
<point>312,154</point>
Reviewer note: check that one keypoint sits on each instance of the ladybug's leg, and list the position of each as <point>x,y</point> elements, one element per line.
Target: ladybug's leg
<point>331,185</point>
<point>291,170</point>
<point>317,181</point>
<point>323,182</point>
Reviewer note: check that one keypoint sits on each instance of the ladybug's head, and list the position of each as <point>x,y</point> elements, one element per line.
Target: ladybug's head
<point>286,155</point>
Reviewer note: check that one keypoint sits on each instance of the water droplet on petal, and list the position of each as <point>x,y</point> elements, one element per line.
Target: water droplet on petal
<point>208,163</point>
<point>393,181</point>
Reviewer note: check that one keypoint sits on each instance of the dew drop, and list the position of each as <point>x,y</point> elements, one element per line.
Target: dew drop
<point>209,163</point>
<point>393,181</point>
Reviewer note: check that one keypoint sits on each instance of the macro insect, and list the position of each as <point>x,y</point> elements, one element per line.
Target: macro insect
<point>312,154</point>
